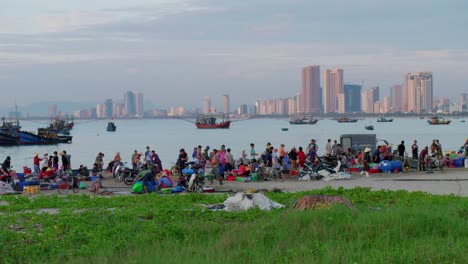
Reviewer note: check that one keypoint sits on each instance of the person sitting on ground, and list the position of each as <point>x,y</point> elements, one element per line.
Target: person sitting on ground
<point>446,161</point>
<point>164,180</point>
<point>84,172</point>
<point>97,184</point>
<point>95,170</point>
<point>242,171</point>
<point>148,176</point>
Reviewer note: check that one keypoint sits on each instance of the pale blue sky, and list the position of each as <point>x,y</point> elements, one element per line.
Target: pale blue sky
<point>177,52</point>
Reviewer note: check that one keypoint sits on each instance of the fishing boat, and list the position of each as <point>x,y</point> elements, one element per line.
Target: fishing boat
<point>347,120</point>
<point>11,135</point>
<point>303,121</point>
<point>61,125</point>
<point>383,119</point>
<point>284,129</point>
<point>111,127</point>
<point>434,120</point>
<point>210,122</point>
<point>369,127</point>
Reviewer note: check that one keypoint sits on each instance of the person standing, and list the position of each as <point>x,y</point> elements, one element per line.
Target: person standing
<point>440,154</point>
<point>147,160</point>
<point>414,150</point>
<point>36,162</point>
<point>45,160</point>
<point>328,148</point>
<point>229,160</point>
<point>215,166</point>
<point>55,161</point>
<point>366,160</point>
<point>99,161</point>
<point>334,148</point>
<point>301,156</point>
<point>65,160</point>
<point>293,157</point>
<point>182,159</point>
<point>422,158</point>
<point>133,159</point>
<point>155,160</point>
<point>253,154</point>
<point>401,149</point>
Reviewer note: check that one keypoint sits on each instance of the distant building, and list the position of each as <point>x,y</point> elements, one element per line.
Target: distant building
<point>310,99</point>
<point>118,110</point>
<point>419,90</point>
<point>129,101</point>
<point>341,103</point>
<point>226,104</point>
<point>109,108</point>
<point>386,104</point>
<point>333,86</point>
<point>463,101</point>
<point>398,98</point>
<point>352,93</point>
<point>52,110</point>
<point>369,98</point>
<point>101,111</point>
<point>207,105</point>
<point>243,109</point>
<point>139,105</point>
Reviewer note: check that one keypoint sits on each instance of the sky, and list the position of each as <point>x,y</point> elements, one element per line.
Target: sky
<point>178,51</point>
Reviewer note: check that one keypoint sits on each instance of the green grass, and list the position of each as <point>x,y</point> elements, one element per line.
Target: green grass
<point>386,227</point>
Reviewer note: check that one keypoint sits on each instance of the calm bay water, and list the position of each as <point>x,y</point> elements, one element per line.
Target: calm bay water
<point>168,136</point>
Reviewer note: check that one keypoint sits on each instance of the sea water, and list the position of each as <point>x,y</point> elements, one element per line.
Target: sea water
<point>167,136</point>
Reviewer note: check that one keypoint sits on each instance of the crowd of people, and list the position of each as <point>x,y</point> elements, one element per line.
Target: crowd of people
<point>219,162</point>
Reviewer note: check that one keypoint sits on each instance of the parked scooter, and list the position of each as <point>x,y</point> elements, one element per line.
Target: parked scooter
<point>192,178</point>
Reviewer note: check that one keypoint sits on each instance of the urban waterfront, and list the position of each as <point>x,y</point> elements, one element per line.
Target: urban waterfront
<point>167,136</point>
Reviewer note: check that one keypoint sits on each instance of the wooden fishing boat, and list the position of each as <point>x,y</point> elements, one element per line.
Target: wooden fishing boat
<point>302,120</point>
<point>369,127</point>
<point>434,120</point>
<point>347,120</point>
<point>210,122</point>
<point>383,119</point>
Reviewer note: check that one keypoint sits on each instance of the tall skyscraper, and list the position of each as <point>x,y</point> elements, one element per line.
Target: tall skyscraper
<point>129,101</point>
<point>207,105</point>
<point>463,101</point>
<point>139,107</point>
<point>397,100</point>
<point>333,86</point>
<point>226,104</point>
<point>352,93</point>
<point>419,92</point>
<point>369,98</point>
<point>109,108</point>
<point>310,90</point>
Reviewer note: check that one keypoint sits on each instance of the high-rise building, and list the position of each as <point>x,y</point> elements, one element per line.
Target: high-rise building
<point>129,101</point>
<point>419,90</point>
<point>101,111</point>
<point>109,108</point>
<point>226,104</point>
<point>118,110</point>
<point>52,110</point>
<point>352,93</point>
<point>369,98</point>
<point>386,104</point>
<point>397,100</point>
<point>310,99</point>
<point>207,105</point>
<point>463,101</point>
<point>139,106</point>
<point>333,87</point>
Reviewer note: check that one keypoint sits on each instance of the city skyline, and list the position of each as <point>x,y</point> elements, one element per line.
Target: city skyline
<point>106,47</point>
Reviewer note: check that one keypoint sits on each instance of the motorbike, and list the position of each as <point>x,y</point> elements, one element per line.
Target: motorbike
<point>125,174</point>
<point>8,176</point>
<point>192,178</point>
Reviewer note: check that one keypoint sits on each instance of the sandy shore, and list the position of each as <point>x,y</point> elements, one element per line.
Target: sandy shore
<point>452,181</point>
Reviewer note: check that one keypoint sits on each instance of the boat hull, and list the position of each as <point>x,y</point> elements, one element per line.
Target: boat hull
<point>27,138</point>
<point>8,140</point>
<point>438,122</point>
<point>384,120</point>
<point>225,125</point>
<point>347,121</point>
<point>312,122</point>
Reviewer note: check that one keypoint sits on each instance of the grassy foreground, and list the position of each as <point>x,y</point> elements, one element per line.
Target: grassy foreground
<point>388,226</point>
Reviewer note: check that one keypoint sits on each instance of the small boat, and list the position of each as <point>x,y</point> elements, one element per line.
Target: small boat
<point>209,122</point>
<point>347,120</point>
<point>463,121</point>
<point>383,119</point>
<point>434,120</point>
<point>111,127</point>
<point>421,117</point>
<point>369,127</point>
<point>303,121</point>
<point>284,129</point>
